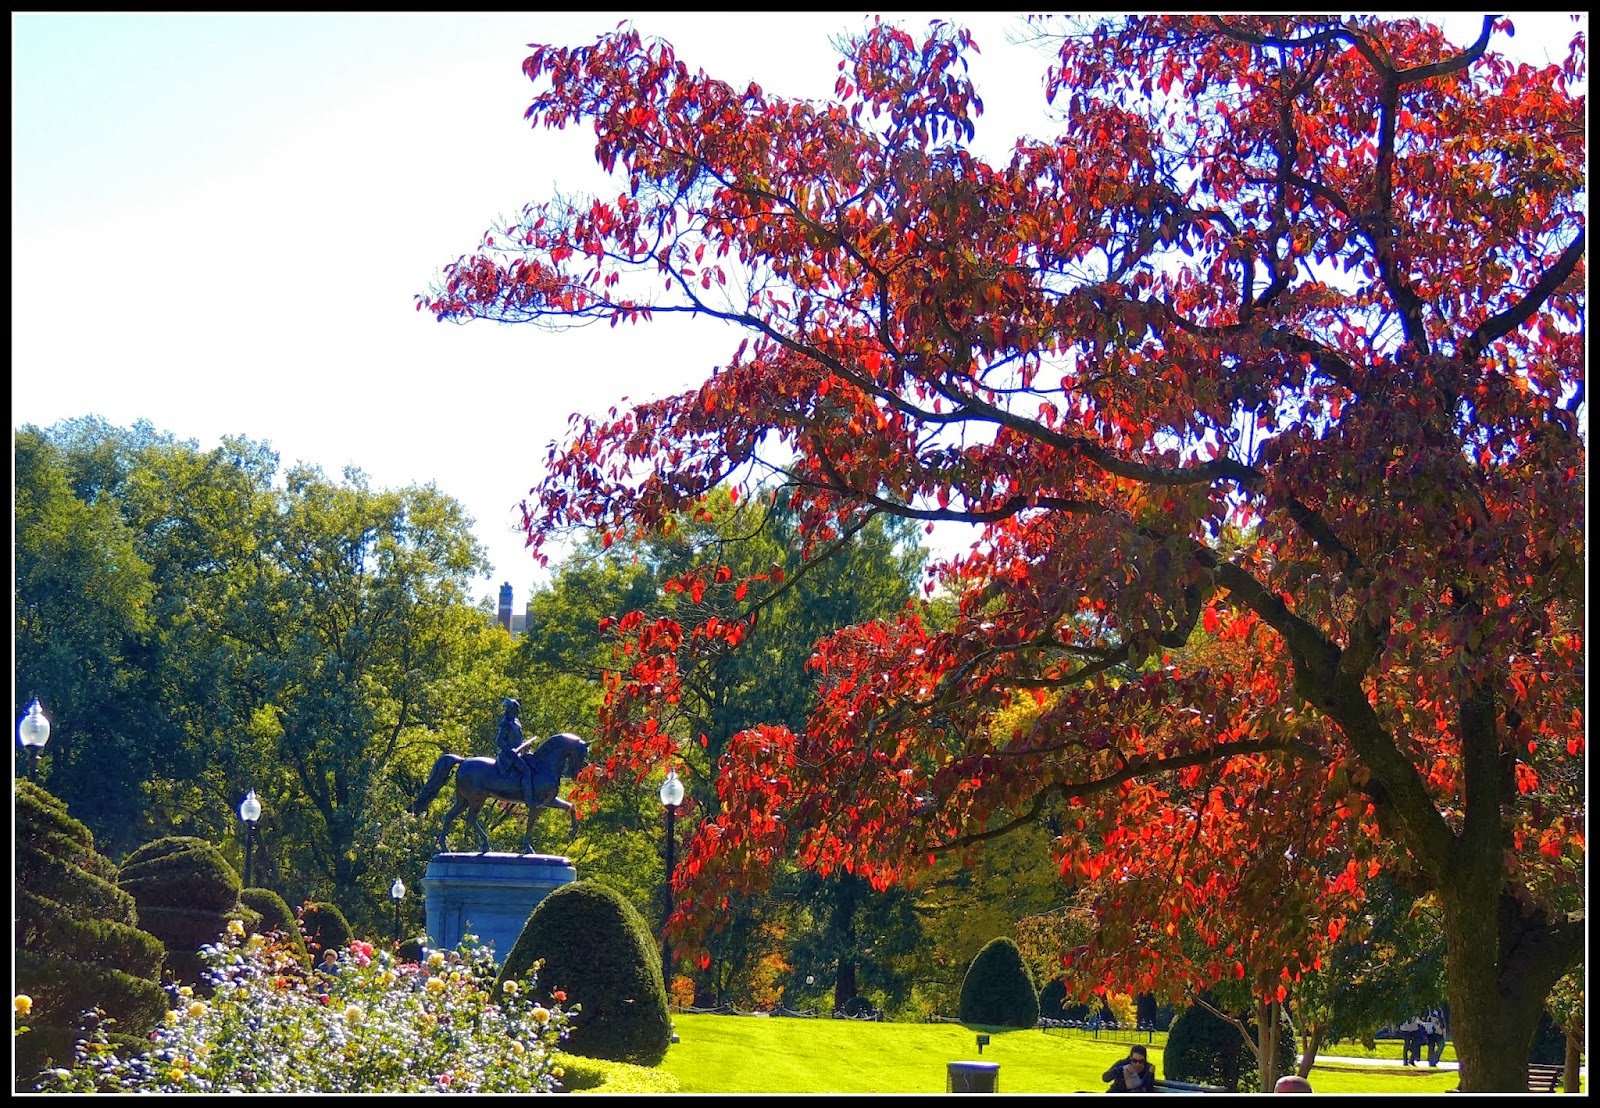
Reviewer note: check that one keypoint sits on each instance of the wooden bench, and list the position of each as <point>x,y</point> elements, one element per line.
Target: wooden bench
<point>1544,1077</point>
<point>1186,1087</point>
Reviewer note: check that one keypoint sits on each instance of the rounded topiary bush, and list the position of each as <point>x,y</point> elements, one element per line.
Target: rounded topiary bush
<point>325,927</point>
<point>1205,1049</point>
<point>78,945</point>
<point>180,872</point>
<point>1053,1000</point>
<point>186,893</point>
<point>275,916</point>
<point>598,950</point>
<point>998,988</point>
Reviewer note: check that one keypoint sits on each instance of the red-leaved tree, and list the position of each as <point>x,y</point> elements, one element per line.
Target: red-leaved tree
<point>1265,383</point>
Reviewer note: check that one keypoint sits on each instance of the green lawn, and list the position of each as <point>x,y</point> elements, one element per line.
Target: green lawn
<point>743,1054</point>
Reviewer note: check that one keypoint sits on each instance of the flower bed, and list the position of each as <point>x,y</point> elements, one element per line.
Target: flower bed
<point>367,1023</point>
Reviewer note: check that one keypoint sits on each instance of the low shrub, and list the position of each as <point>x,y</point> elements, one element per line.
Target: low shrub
<point>276,916</point>
<point>596,948</point>
<point>180,871</point>
<point>325,927</point>
<point>998,989</point>
<point>274,1025</point>
<point>597,1075</point>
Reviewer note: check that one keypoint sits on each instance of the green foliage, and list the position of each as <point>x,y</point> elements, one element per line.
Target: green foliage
<point>595,947</point>
<point>1053,1000</point>
<point>325,927</point>
<point>272,1025</point>
<point>1203,1049</point>
<point>77,946</point>
<point>186,893</point>
<point>597,1075</point>
<point>275,916</point>
<point>180,872</point>
<point>998,988</point>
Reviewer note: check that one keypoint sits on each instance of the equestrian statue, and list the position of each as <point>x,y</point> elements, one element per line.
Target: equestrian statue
<point>531,778</point>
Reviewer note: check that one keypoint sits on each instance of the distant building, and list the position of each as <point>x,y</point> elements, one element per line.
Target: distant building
<point>505,605</point>
<point>516,623</point>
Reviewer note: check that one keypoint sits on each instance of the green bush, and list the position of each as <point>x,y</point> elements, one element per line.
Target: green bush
<point>180,872</point>
<point>1053,1000</point>
<point>275,916</point>
<point>597,949</point>
<point>325,927</point>
<point>77,943</point>
<point>998,988</point>
<point>596,1075</point>
<point>186,893</point>
<point>1206,1049</point>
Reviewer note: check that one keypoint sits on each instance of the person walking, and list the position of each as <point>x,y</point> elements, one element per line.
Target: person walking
<point>1433,1032</point>
<point>1411,1042</point>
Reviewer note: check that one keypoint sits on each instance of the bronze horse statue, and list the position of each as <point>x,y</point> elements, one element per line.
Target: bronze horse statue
<point>479,780</point>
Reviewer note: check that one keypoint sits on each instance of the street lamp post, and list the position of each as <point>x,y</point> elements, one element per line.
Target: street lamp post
<point>249,811</point>
<point>398,892</point>
<point>671,797</point>
<point>33,731</point>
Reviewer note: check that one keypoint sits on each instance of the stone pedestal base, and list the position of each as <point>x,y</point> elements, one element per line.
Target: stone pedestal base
<point>488,895</point>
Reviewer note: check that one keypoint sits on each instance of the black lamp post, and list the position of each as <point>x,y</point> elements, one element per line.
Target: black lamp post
<point>249,811</point>
<point>671,797</point>
<point>33,731</point>
<point>397,892</point>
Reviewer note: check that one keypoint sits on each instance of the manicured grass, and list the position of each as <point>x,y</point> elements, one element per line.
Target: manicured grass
<point>743,1054</point>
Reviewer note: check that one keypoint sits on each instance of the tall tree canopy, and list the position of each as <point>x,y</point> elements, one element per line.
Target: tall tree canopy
<point>1319,280</point>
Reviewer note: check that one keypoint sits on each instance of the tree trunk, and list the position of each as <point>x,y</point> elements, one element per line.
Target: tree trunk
<point>844,983</point>
<point>1269,1025</point>
<point>1500,962</point>
<point>1569,1079</point>
<point>1308,1051</point>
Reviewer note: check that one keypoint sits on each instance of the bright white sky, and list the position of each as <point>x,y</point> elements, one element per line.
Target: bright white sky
<point>220,221</point>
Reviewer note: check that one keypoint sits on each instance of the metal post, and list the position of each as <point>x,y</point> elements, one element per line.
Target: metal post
<point>249,839</point>
<point>397,919</point>
<point>666,945</point>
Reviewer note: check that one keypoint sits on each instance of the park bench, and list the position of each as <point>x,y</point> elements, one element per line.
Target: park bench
<point>1186,1087</point>
<point>1544,1077</point>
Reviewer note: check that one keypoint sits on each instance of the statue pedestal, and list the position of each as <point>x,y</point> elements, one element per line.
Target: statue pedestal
<point>488,895</point>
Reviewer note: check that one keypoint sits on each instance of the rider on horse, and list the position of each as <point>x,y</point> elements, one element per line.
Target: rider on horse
<point>511,745</point>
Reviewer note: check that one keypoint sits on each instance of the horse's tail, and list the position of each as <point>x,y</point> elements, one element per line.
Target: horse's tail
<point>436,780</point>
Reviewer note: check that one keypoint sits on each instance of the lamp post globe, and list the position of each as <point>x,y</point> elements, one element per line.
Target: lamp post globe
<point>33,731</point>
<point>671,797</point>
<point>250,812</point>
<point>397,892</point>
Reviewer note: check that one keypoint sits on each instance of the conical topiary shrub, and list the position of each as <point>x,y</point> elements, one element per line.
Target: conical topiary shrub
<point>77,943</point>
<point>325,927</point>
<point>597,949</point>
<point>186,893</point>
<point>276,916</point>
<point>998,988</point>
<point>1053,1000</point>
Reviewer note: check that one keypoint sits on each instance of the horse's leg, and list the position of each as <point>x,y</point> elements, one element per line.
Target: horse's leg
<point>557,802</point>
<point>444,828</point>
<point>477,828</point>
<point>533,809</point>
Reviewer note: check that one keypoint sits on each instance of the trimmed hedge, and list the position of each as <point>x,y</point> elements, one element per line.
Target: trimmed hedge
<point>1208,1050</point>
<point>1053,1000</point>
<point>77,946</point>
<point>598,950</point>
<point>180,872</point>
<point>186,893</point>
<point>275,916</point>
<point>325,927</point>
<point>998,988</point>
<point>596,1075</point>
